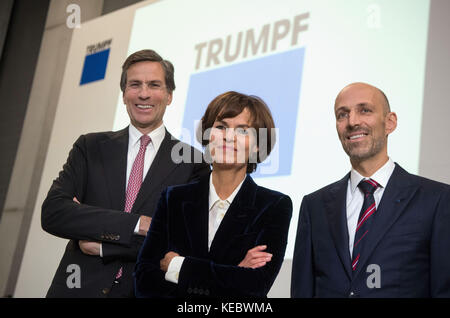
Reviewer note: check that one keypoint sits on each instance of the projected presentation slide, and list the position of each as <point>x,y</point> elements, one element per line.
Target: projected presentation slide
<point>296,55</point>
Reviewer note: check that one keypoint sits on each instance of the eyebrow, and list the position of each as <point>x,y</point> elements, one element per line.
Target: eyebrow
<point>341,108</point>
<point>238,126</point>
<point>346,108</point>
<point>139,81</point>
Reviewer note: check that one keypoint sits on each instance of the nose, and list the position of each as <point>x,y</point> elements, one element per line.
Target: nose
<point>229,134</point>
<point>353,119</point>
<point>144,92</point>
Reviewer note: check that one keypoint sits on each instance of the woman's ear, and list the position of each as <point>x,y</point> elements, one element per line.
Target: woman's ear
<point>253,155</point>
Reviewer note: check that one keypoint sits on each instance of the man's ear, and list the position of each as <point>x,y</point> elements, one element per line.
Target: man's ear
<point>391,122</point>
<point>123,98</point>
<point>169,99</point>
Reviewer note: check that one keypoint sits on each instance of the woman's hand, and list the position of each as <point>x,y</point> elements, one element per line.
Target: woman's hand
<point>164,263</point>
<point>255,258</point>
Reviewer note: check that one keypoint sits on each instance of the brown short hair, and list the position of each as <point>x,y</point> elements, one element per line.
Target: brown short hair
<point>231,104</point>
<point>151,56</point>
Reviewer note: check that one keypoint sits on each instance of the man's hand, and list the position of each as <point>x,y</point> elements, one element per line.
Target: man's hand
<point>164,263</point>
<point>144,225</point>
<point>89,247</point>
<point>76,200</point>
<point>255,258</point>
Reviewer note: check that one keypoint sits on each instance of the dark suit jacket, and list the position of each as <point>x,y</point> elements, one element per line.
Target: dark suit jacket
<point>409,240</point>
<point>256,216</point>
<point>95,173</point>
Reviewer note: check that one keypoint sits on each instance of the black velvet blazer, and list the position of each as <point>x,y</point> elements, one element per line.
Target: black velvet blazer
<point>257,216</point>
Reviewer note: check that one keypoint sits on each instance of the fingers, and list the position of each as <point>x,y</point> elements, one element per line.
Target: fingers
<point>256,255</point>
<point>144,225</point>
<point>255,263</point>
<point>258,265</point>
<point>258,248</point>
<point>256,258</point>
<point>258,262</point>
<point>171,255</point>
<point>83,246</point>
<point>259,254</point>
<point>162,265</point>
<point>165,262</point>
<point>76,200</point>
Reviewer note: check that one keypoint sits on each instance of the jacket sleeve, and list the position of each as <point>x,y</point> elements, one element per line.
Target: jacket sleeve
<point>63,217</point>
<point>149,278</point>
<point>224,279</point>
<point>440,239</point>
<point>302,278</point>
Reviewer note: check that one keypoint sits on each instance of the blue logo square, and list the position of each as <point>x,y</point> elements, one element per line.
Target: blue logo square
<point>275,78</point>
<point>94,67</point>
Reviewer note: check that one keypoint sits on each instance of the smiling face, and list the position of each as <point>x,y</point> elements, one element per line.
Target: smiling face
<point>232,140</point>
<point>363,122</point>
<point>146,96</point>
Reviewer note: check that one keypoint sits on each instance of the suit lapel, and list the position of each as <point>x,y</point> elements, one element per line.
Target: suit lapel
<point>335,207</point>
<point>161,166</point>
<point>195,214</point>
<point>114,156</point>
<point>236,218</point>
<point>399,191</point>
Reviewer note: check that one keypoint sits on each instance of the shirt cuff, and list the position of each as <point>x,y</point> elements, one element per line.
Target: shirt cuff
<point>174,269</point>
<point>136,229</point>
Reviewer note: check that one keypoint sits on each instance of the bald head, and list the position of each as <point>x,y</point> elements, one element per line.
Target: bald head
<point>376,93</point>
<point>363,122</point>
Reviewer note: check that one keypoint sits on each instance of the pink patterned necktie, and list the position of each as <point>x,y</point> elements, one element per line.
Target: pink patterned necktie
<point>136,175</point>
<point>135,180</point>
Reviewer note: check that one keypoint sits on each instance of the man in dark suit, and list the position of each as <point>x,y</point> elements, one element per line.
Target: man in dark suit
<point>107,192</point>
<point>379,231</point>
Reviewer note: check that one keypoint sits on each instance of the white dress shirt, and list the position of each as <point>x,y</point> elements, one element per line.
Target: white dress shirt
<point>355,196</point>
<point>217,210</point>
<point>134,135</point>
<point>134,144</point>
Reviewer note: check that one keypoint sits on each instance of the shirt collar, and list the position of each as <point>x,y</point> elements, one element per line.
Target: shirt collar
<point>214,197</point>
<point>157,136</point>
<point>381,176</point>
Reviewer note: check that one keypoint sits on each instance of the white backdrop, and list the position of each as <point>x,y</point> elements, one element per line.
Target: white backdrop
<point>377,41</point>
<point>381,42</point>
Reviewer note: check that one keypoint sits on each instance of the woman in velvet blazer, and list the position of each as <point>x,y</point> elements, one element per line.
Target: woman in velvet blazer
<point>223,235</point>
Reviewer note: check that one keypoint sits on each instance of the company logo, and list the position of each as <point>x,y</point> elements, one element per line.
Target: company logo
<point>95,62</point>
<point>276,78</point>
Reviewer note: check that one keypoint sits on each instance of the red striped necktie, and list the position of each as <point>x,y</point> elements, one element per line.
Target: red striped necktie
<point>365,219</point>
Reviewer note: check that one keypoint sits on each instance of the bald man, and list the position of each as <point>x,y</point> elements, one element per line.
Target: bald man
<point>379,231</point>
